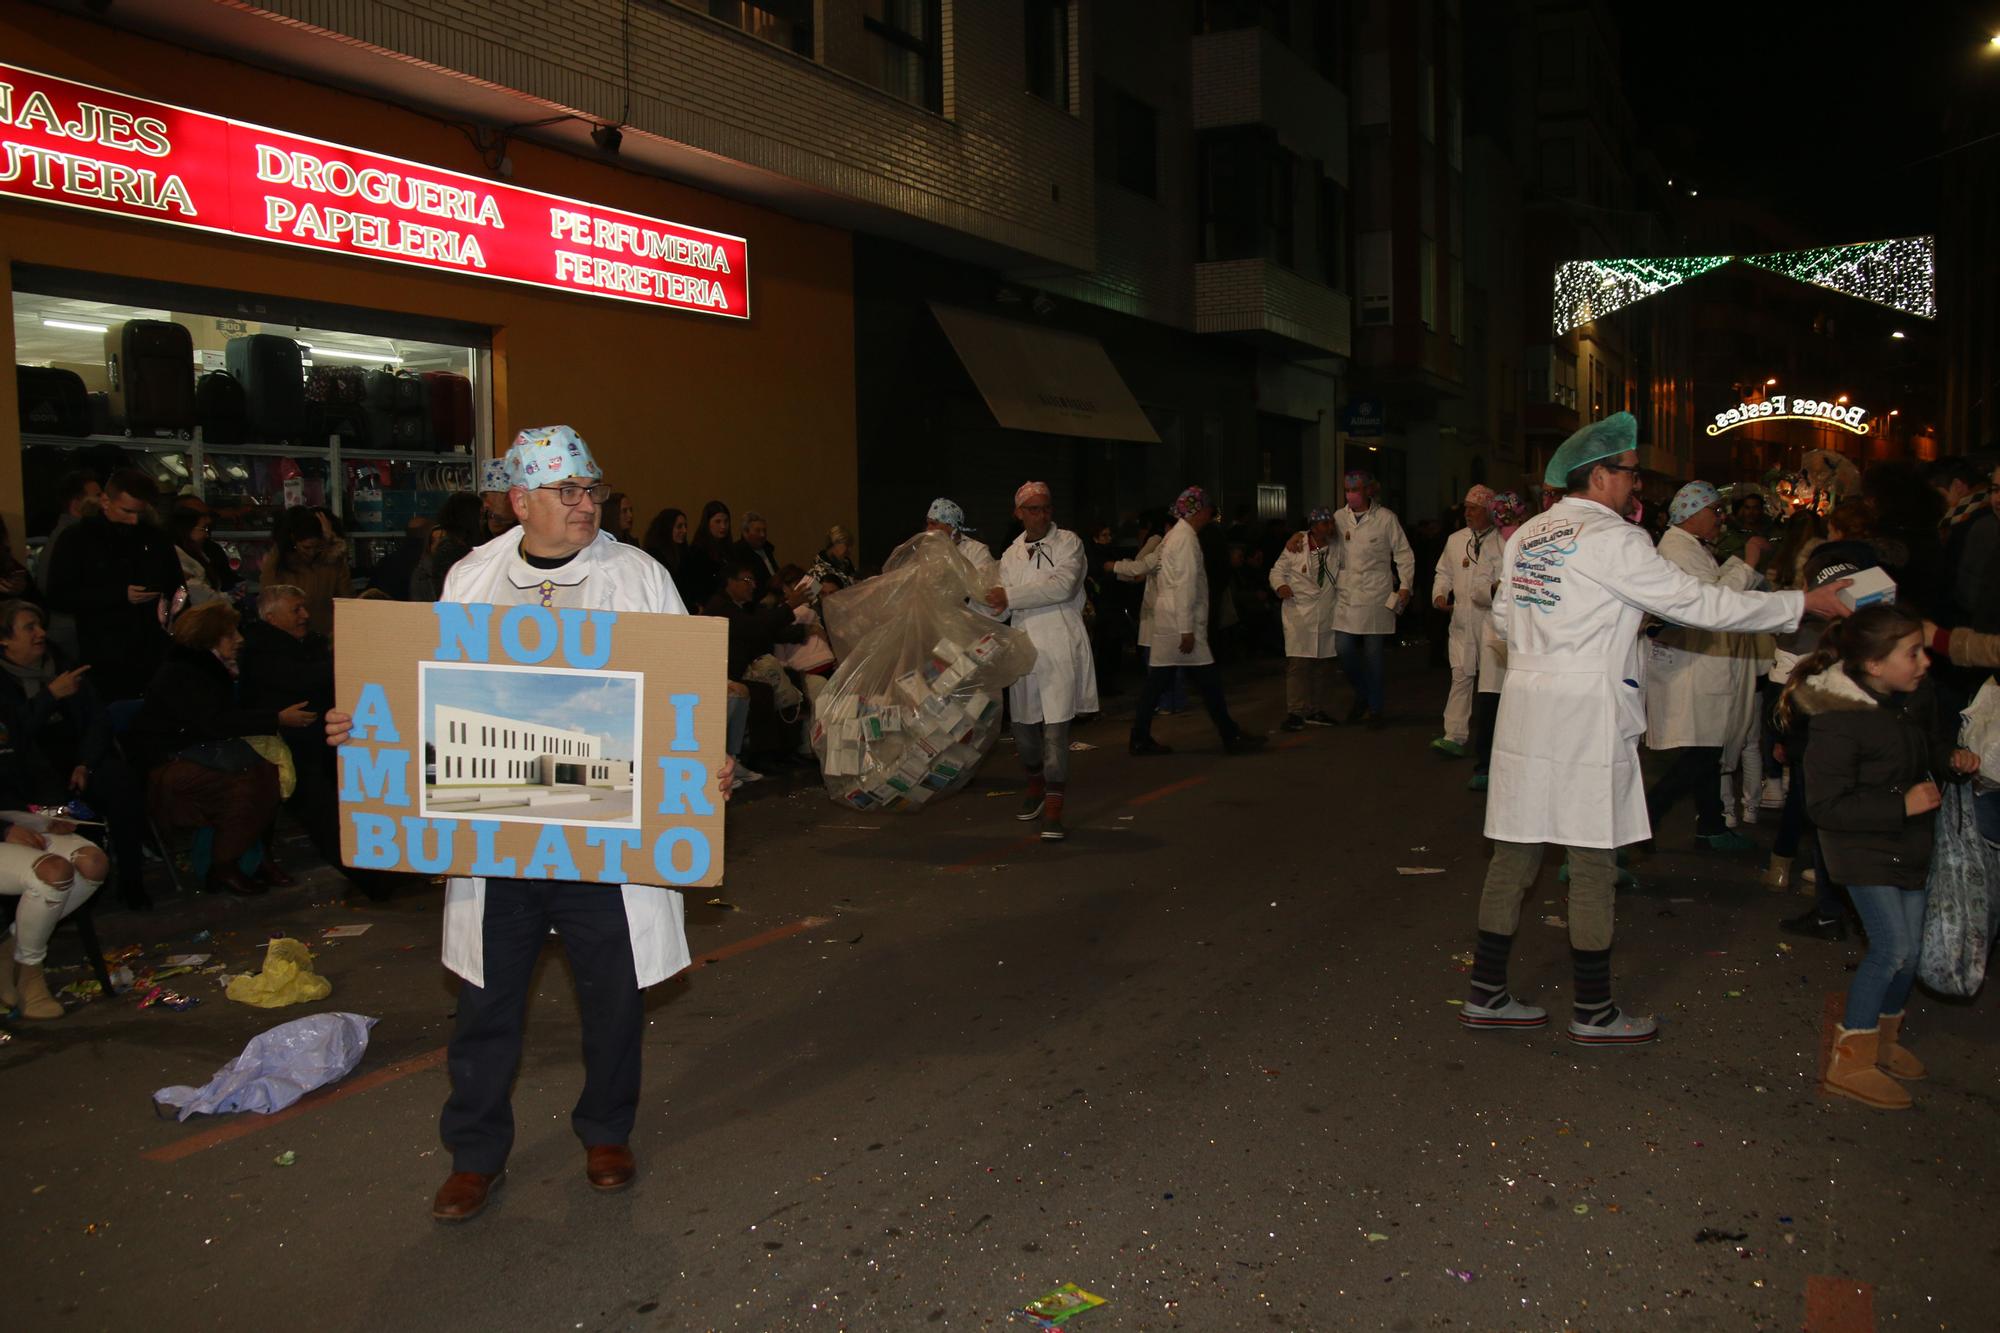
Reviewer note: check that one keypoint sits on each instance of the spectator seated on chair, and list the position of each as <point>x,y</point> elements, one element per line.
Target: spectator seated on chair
<point>58,736</point>
<point>53,874</point>
<point>190,739</point>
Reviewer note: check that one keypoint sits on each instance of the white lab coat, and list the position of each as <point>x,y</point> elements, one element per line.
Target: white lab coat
<point>1044,583</point>
<point>1313,575</point>
<point>605,575</point>
<point>1467,570</point>
<point>1143,569</point>
<point>1370,544</point>
<point>981,556</point>
<point>1575,584</point>
<point>1701,684</point>
<point>1181,605</point>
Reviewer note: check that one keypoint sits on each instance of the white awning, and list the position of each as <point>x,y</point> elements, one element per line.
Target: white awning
<point>1041,380</point>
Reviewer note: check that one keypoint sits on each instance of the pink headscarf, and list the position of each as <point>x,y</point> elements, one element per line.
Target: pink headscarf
<point>1481,496</point>
<point>1032,490</point>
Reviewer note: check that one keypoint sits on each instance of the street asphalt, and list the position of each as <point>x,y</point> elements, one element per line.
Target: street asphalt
<point>1201,1059</point>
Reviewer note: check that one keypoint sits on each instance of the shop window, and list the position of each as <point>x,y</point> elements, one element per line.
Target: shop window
<point>1128,141</point>
<point>1048,24</point>
<point>905,50</point>
<point>786,23</point>
<point>253,404</point>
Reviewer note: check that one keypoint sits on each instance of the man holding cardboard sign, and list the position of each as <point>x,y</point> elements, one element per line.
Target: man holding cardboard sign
<point>538,797</point>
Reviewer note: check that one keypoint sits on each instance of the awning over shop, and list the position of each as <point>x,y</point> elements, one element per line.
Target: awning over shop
<point>1041,380</point>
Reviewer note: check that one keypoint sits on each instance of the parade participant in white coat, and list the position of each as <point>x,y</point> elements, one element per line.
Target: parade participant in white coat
<point>1463,585</point>
<point>1306,578</point>
<point>1575,583</point>
<point>1701,686</point>
<point>1506,510</point>
<point>1180,631</point>
<point>946,517</point>
<point>1041,590</point>
<point>620,939</point>
<point>1377,571</point>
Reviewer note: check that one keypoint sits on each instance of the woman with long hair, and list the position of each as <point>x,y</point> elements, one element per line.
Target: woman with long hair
<point>460,527</point>
<point>667,541</point>
<point>708,555</point>
<point>617,517</point>
<point>309,553</point>
<point>190,529</point>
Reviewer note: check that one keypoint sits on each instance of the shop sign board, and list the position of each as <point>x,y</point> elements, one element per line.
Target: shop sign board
<point>72,144</point>
<point>1363,418</point>
<point>525,742</point>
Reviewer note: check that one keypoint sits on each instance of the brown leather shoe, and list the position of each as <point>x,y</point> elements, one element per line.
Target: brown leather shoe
<point>463,1195</point>
<point>231,880</point>
<point>609,1166</point>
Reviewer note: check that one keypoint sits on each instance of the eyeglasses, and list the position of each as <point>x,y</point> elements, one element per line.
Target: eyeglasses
<point>1632,468</point>
<point>572,495</point>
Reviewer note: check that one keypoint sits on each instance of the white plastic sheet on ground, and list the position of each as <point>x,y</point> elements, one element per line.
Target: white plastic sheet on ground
<point>278,1067</point>
<point>915,703</point>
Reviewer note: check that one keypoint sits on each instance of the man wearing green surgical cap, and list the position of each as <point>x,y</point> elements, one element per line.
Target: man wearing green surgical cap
<point>1575,584</point>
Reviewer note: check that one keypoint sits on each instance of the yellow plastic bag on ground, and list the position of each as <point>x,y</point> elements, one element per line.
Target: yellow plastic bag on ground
<point>287,978</point>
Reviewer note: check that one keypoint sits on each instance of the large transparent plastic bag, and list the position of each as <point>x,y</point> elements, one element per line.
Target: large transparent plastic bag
<point>1963,914</point>
<point>915,703</point>
<point>279,1066</point>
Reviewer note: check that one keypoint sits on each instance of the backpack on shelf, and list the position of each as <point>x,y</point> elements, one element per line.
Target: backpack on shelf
<point>220,408</point>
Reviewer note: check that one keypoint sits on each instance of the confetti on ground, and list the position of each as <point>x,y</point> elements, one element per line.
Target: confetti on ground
<point>1374,1236</point>
<point>1420,870</point>
<point>1554,921</point>
<point>1581,1209</point>
<point>285,1158</point>
<point>348,932</point>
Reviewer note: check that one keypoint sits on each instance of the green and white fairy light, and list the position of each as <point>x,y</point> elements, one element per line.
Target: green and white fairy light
<point>1900,274</point>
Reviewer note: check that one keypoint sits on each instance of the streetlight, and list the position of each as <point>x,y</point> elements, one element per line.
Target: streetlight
<point>1898,333</point>
<point>1842,400</point>
<point>1771,383</point>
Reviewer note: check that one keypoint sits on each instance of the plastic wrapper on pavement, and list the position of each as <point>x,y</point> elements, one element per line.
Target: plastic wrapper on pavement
<point>915,703</point>
<point>287,978</point>
<point>1963,914</point>
<point>278,1067</point>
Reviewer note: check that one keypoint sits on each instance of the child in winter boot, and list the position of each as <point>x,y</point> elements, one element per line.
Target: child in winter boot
<point>1871,787</point>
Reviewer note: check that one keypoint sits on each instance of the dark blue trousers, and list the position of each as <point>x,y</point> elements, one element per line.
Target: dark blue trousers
<point>477,1124</point>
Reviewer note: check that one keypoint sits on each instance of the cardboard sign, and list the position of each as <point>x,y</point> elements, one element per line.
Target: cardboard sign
<point>521,742</point>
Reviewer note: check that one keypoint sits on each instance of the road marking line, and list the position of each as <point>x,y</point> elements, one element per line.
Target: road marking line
<point>249,1124</point>
<point>1839,1305</point>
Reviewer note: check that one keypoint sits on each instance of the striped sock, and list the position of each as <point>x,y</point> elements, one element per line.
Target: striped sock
<point>1591,969</point>
<point>1489,970</point>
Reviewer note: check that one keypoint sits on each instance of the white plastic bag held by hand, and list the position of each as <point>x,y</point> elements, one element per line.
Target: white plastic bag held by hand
<point>278,1067</point>
<point>1980,733</point>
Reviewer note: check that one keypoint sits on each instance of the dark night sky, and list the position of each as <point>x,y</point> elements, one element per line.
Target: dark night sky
<point>1819,112</point>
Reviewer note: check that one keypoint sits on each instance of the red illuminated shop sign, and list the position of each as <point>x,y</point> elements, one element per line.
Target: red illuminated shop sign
<point>83,147</point>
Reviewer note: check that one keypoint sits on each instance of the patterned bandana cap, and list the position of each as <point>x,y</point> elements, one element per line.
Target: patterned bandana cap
<point>1690,500</point>
<point>1033,490</point>
<point>494,476</point>
<point>1359,481</point>
<point>1190,502</point>
<point>1593,444</point>
<point>1506,509</point>
<point>1319,515</point>
<point>547,455</point>
<point>1481,496</point>
<point>948,513</point>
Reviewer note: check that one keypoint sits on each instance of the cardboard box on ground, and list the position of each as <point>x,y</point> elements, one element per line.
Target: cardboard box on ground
<point>530,742</point>
<point>915,703</point>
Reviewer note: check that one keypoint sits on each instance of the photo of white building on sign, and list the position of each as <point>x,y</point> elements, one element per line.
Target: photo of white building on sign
<point>530,743</point>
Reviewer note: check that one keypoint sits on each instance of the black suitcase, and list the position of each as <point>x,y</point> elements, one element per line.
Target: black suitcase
<point>272,372</point>
<point>53,402</point>
<point>220,409</point>
<point>151,363</point>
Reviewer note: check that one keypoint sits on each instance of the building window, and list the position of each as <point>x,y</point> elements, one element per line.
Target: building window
<point>1427,95</point>
<point>1128,141</point>
<point>1559,166</point>
<point>1048,51</point>
<point>1558,59</point>
<point>786,23</point>
<point>905,53</point>
<point>1332,234</point>
<point>1455,296</point>
<point>1274,16</point>
<point>1427,294</point>
<point>1374,253</point>
<point>1248,207</point>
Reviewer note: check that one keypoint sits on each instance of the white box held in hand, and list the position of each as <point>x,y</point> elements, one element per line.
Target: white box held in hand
<point>1869,587</point>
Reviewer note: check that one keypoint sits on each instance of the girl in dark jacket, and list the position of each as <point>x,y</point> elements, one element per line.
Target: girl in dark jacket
<point>1871,787</point>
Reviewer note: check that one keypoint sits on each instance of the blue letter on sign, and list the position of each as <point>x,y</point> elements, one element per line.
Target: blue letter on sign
<point>572,625</point>
<point>663,855</point>
<point>432,863</point>
<point>483,862</point>
<point>615,842</point>
<point>681,781</point>
<point>372,721</point>
<point>374,841</point>
<point>379,775</point>
<point>462,632</point>
<point>551,859</point>
<point>546,633</point>
<point>684,706</point>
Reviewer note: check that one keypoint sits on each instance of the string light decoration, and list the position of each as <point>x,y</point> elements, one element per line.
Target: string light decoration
<point>1900,274</point>
<point>1588,289</point>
